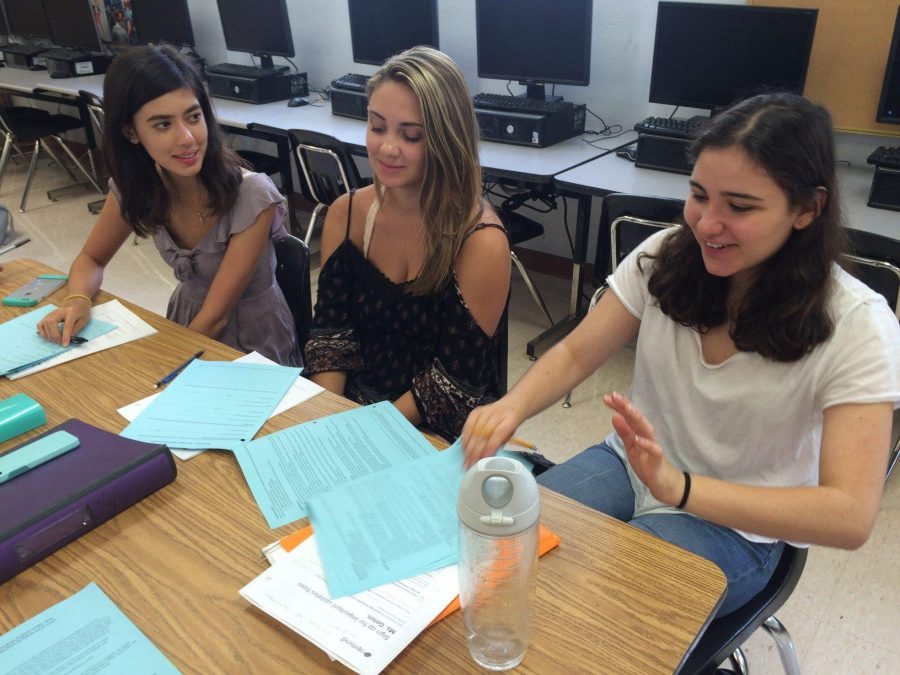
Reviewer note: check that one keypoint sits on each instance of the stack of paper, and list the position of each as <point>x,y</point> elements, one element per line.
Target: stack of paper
<point>213,404</point>
<point>301,390</point>
<point>23,347</point>
<point>365,632</point>
<point>128,326</point>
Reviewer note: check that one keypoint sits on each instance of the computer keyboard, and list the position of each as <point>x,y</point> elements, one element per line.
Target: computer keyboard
<point>673,127</point>
<point>64,54</point>
<point>351,82</point>
<point>240,70</point>
<point>887,156</point>
<point>534,106</point>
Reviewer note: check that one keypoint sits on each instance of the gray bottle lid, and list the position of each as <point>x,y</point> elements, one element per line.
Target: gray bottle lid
<point>498,497</point>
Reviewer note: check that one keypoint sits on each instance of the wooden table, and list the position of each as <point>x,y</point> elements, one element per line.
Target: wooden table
<point>610,599</point>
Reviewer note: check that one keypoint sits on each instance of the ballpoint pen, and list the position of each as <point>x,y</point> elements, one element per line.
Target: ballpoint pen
<point>14,245</point>
<point>171,376</point>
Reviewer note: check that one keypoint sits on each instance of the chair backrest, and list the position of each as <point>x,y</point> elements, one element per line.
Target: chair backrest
<point>638,217</point>
<point>875,260</point>
<point>325,166</point>
<point>292,274</point>
<point>94,105</point>
<point>723,636</point>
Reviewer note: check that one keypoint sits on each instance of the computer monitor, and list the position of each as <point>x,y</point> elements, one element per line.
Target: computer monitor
<point>889,105</point>
<point>158,21</point>
<point>381,28</point>
<point>27,18</point>
<point>709,56</point>
<point>260,27</point>
<point>4,26</point>
<point>72,24</point>
<point>534,42</point>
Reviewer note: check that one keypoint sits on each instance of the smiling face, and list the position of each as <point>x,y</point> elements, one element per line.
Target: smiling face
<point>173,131</point>
<point>395,136</point>
<point>739,215</point>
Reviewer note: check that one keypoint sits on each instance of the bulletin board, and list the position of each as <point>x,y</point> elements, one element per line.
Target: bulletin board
<point>849,54</point>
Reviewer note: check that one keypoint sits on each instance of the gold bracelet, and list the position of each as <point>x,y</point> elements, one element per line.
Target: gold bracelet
<point>75,296</point>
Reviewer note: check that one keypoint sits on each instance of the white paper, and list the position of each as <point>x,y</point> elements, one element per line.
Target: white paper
<point>129,326</point>
<point>301,390</point>
<point>365,631</point>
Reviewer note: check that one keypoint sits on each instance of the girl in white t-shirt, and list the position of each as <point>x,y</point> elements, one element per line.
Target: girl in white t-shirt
<point>765,375</point>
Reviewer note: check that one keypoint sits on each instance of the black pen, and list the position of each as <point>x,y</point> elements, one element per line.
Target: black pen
<point>14,245</point>
<point>171,376</point>
<point>77,340</point>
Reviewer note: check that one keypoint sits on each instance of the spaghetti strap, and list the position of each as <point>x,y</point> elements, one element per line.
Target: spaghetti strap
<point>481,226</point>
<point>370,226</point>
<point>349,212</point>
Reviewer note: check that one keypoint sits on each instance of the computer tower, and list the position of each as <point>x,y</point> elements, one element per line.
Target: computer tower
<point>279,87</point>
<point>91,64</point>
<point>663,153</point>
<point>24,56</point>
<point>349,103</point>
<point>535,130</point>
<point>885,191</point>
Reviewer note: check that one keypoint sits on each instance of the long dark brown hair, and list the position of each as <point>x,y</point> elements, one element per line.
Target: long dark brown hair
<point>783,314</point>
<point>136,77</point>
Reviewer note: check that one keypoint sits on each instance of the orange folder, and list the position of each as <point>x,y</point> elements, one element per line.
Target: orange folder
<point>547,540</point>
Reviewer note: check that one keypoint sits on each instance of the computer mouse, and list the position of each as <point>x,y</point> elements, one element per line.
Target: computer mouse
<point>297,101</point>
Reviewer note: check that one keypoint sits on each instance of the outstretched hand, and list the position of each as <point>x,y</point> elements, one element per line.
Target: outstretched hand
<point>665,482</point>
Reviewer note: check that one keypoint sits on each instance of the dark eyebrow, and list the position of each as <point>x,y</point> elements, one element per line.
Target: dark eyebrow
<point>402,124</point>
<point>739,195</point>
<point>192,109</point>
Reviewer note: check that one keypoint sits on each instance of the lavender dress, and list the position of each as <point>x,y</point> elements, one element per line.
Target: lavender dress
<point>261,321</point>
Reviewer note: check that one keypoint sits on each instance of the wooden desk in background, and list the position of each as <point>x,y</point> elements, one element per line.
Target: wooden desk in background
<point>610,599</point>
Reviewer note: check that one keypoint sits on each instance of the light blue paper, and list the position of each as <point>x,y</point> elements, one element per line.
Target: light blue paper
<point>391,525</point>
<point>85,633</point>
<point>288,467</point>
<point>23,347</point>
<point>213,404</point>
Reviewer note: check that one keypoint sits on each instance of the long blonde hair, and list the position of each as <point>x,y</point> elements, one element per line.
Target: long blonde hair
<point>451,186</point>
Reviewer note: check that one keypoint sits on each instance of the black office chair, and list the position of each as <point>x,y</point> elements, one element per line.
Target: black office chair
<point>722,639</point>
<point>625,221</point>
<point>875,260</point>
<point>260,162</point>
<point>292,275</point>
<point>326,170</point>
<point>520,229</point>
<point>94,105</point>
<point>37,129</point>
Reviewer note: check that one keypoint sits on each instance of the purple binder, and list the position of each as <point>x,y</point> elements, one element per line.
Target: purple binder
<point>44,509</point>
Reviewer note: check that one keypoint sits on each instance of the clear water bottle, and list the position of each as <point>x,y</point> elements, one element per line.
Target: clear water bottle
<point>498,509</point>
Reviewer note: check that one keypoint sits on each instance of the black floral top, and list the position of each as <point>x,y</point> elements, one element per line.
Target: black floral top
<point>390,341</point>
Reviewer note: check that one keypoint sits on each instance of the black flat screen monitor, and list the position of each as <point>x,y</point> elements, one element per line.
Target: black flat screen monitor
<point>889,105</point>
<point>158,21</point>
<point>27,18</point>
<point>72,24</point>
<point>381,28</point>
<point>709,56</point>
<point>534,41</point>
<point>259,27</point>
<point>4,27</point>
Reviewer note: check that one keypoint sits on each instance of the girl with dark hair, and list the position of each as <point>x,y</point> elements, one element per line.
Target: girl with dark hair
<point>415,271</point>
<point>214,222</point>
<point>765,375</point>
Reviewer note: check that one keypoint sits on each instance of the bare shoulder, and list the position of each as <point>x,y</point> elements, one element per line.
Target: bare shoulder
<point>334,230</point>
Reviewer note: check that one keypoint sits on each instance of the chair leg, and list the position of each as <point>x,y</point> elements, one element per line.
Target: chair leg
<point>892,462</point>
<point>31,168</point>
<point>4,157</point>
<point>78,164</point>
<point>49,151</point>
<point>534,292</point>
<point>738,661</point>
<point>312,223</point>
<point>785,645</point>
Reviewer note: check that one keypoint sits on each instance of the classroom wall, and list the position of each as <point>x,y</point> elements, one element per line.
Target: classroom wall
<point>622,50</point>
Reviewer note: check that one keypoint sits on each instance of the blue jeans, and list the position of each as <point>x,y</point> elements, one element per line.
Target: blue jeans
<point>597,478</point>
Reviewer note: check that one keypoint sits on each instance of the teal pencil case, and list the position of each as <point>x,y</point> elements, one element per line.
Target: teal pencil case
<point>18,414</point>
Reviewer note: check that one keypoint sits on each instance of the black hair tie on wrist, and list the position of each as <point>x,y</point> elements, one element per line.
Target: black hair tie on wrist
<point>687,490</point>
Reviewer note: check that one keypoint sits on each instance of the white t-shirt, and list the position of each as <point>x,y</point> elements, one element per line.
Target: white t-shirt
<point>749,419</point>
